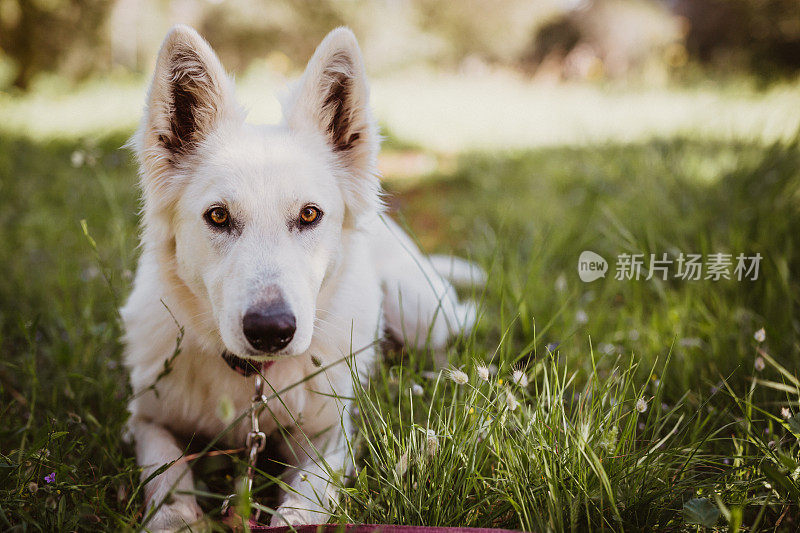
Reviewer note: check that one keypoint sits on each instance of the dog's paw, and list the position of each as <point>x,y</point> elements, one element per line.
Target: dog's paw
<point>291,516</point>
<point>181,515</point>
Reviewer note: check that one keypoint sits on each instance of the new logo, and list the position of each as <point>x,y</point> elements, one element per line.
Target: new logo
<point>591,266</point>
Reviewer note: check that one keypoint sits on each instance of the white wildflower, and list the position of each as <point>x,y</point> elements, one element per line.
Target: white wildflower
<point>609,441</point>
<point>584,432</point>
<point>641,405</point>
<point>511,401</point>
<point>458,376</point>
<point>402,464</point>
<point>416,389</point>
<point>561,283</point>
<point>691,342</point>
<point>760,335</point>
<point>519,377</point>
<point>77,158</point>
<point>431,443</point>
<point>483,373</point>
<point>760,364</point>
<point>785,412</point>
<point>581,317</point>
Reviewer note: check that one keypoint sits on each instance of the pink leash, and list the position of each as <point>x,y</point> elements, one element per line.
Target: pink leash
<point>374,528</point>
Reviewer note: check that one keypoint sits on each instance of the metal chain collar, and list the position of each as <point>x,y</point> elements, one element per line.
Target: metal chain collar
<point>256,441</point>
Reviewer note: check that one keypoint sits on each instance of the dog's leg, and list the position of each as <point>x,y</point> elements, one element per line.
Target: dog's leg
<point>312,490</point>
<point>420,305</point>
<point>155,446</point>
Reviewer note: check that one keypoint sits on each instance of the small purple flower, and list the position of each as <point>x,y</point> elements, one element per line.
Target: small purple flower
<point>552,346</point>
<point>49,478</point>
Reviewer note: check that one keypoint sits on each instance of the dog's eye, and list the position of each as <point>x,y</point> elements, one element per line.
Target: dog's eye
<point>218,217</point>
<point>309,215</point>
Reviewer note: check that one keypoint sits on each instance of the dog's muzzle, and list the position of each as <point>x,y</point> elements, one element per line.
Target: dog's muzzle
<point>245,367</point>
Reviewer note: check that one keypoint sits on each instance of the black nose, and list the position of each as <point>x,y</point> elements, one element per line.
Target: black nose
<point>269,328</point>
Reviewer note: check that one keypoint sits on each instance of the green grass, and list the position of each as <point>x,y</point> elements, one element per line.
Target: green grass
<point>575,454</point>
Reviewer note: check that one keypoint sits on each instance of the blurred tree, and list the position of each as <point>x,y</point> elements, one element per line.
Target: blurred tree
<point>494,31</point>
<point>43,35</point>
<point>760,35</point>
<point>582,39</point>
<point>244,30</point>
<point>605,38</point>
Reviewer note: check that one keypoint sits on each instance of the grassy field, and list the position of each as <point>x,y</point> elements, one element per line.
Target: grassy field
<point>650,405</point>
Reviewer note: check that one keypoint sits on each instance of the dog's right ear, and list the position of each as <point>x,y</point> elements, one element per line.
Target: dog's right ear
<point>332,100</point>
<point>189,97</point>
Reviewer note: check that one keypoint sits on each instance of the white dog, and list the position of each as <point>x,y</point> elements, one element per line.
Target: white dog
<point>267,245</point>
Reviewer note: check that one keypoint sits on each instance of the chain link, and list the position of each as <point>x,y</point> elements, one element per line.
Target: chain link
<point>256,441</point>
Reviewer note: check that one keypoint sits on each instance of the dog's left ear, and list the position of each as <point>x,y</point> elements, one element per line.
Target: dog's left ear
<point>190,96</point>
<point>333,99</point>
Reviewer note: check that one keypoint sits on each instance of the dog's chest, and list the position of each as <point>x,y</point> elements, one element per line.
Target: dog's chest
<point>210,401</point>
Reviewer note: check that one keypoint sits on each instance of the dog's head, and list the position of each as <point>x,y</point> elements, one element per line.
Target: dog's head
<point>250,219</point>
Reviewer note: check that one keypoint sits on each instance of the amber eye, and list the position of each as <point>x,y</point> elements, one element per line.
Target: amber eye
<point>218,216</point>
<point>309,214</point>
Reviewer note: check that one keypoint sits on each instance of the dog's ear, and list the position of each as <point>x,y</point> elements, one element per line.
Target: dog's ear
<point>332,98</point>
<point>190,95</point>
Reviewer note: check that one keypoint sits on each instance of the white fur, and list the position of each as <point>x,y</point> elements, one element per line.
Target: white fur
<point>342,278</point>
